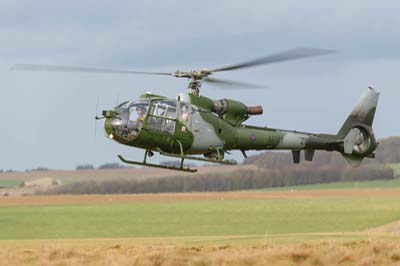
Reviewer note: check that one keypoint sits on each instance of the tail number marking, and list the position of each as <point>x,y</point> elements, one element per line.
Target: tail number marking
<point>303,140</point>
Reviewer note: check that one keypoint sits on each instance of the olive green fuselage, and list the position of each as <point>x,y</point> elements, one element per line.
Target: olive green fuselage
<point>204,132</point>
<point>194,124</point>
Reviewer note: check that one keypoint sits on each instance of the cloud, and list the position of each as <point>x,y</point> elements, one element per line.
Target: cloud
<point>109,31</point>
<point>51,121</point>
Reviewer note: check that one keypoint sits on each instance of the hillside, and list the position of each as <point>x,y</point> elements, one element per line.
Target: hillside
<point>266,170</point>
<point>387,152</point>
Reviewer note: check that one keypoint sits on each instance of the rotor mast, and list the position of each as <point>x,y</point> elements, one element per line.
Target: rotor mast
<point>194,86</point>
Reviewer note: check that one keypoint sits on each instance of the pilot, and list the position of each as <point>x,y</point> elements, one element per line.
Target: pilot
<point>134,125</point>
<point>141,112</point>
<point>185,113</point>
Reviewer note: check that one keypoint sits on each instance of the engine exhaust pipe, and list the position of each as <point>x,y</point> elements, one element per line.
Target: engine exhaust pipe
<point>254,110</point>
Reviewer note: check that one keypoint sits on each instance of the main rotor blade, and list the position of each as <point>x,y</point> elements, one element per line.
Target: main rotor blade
<point>31,67</point>
<point>229,84</point>
<point>292,54</point>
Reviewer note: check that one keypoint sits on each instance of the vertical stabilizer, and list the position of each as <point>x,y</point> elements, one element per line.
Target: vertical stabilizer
<point>363,112</point>
<point>356,134</point>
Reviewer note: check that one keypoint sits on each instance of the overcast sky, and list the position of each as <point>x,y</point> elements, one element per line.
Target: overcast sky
<point>47,118</point>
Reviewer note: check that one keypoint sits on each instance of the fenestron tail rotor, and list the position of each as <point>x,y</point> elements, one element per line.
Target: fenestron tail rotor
<point>194,76</point>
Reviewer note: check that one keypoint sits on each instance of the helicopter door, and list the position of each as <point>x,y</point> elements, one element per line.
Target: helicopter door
<point>163,116</point>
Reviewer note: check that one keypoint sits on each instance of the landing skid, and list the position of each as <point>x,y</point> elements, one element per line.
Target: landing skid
<point>181,156</point>
<point>228,162</point>
<point>144,163</point>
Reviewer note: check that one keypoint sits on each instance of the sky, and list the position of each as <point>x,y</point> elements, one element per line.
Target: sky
<point>48,118</point>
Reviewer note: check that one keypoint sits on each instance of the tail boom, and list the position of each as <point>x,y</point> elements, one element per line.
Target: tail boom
<point>355,139</point>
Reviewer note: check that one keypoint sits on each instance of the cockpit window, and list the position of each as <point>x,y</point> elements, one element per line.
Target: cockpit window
<point>162,116</point>
<point>164,108</point>
<point>185,112</point>
<point>130,117</point>
<point>138,110</point>
<point>122,104</point>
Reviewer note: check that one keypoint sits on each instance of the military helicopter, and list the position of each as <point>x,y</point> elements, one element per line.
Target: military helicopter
<point>195,127</point>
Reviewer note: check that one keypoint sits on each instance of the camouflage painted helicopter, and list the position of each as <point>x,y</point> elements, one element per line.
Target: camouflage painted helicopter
<point>193,125</point>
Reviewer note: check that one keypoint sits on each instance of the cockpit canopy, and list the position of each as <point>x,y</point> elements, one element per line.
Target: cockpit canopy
<point>131,116</point>
<point>132,110</point>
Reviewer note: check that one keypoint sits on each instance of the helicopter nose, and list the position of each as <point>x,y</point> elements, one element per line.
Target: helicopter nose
<point>116,127</point>
<point>108,126</point>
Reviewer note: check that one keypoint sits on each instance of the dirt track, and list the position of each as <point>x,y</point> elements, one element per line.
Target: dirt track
<point>392,228</point>
<point>88,199</point>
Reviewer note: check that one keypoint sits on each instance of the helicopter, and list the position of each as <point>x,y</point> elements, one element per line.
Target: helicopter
<point>195,127</point>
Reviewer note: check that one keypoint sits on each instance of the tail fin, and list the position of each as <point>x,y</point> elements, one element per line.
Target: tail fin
<point>356,132</point>
<point>362,113</point>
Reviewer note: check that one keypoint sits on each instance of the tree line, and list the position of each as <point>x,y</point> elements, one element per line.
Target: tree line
<point>243,179</point>
<point>274,169</point>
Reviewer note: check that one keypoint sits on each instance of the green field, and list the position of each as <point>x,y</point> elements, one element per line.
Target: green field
<point>197,218</point>
<point>378,184</point>
<point>9,182</point>
<point>314,227</point>
<point>396,168</point>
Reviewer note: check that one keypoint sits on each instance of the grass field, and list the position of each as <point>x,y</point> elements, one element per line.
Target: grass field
<point>377,184</point>
<point>308,227</point>
<point>396,168</point>
<point>9,182</point>
<point>197,218</point>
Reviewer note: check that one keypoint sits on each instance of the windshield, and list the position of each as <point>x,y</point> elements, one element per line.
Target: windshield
<point>129,118</point>
<point>132,110</point>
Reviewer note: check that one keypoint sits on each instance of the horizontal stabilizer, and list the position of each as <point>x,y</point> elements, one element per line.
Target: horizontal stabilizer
<point>308,155</point>
<point>296,156</point>
<point>350,140</point>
